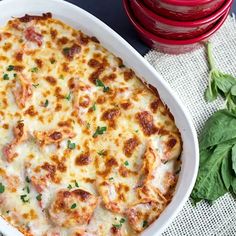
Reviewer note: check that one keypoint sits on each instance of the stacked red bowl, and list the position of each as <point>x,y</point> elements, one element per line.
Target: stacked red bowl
<point>176,26</point>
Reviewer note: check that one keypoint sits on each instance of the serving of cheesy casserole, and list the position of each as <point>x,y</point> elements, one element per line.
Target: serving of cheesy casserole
<point>86,148</point>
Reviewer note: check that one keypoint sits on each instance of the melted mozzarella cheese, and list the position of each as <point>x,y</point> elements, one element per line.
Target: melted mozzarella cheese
<point>96,119</point>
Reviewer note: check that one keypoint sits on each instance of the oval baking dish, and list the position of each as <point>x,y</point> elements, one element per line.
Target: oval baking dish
<point>90,25</point>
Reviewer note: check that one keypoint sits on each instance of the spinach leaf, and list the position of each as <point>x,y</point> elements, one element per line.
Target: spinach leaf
<point>209,184</point>
<point>224,82</point>
<point>220,127</point>
<point>226,174</point>
<point>233,156</point>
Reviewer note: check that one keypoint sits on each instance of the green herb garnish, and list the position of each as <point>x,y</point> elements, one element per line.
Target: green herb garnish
<point>99,83</point>
<point>217,170</point>
<point>76,184</point>
<point>27,179</point>
<point>46,103</point>
<point>118,226</point>
<point>99,131</point>
<point>70,145</point>
<point>102,153</point>
<point>73,206</point>
<point>126,163</point>
<point>27,189</point>
<point>216,175</point>
<point>35,85</point>
<point>220,84</point>
<point>6,77</point>
<point>94,107</point>
<point>2,188</point>
<point>34,69</point>
<point>69,187</point>
<point>68,97</point>
<point>10,68</point>
<point>61,77</point>
<point>145,223</point>
<point>39,197</point>
<point>23,198</point>
<point>111,178</point>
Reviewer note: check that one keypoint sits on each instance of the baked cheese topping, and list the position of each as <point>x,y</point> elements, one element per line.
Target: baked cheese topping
<point>86,148</point>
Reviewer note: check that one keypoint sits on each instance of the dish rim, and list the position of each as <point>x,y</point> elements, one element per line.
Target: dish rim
<point>133,59</point>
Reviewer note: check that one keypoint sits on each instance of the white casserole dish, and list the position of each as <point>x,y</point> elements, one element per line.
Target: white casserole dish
<point>90,25</point>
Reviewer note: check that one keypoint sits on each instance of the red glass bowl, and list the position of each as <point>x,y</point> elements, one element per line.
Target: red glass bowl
<point>168,45</point>
<point>171,29</point>
<point>184,10</point>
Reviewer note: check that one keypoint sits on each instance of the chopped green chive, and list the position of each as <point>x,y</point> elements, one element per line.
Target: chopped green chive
<point>73,206</point>
<point>136,131</point>
<point>27,189</point>
<point>46,103</point>
<point>118,226</point>
<point>94,107</point>
<point>102,153</point>
<point>99,131</point>
<point>111,178</point>
<point>99,83</point>
<point>122,220</point>
<point>34,69</point>
<point>27,179</point>
<point>39,197</point>
<point>2,188</point>
<point>61,77</point>
<point>52,61</point>
<point>66,50</point>
<point>69,187</point>
<point>126,163</point>
<point>70,145</point>
<point>7,211</point>
<point>145,223</point>
<point>68,97</point>
<point>14,75</point>
<point>6,77</point>
<point>35,85</point>
<point>76,184</point>
<point>10,68</point>
<point>23,198</point>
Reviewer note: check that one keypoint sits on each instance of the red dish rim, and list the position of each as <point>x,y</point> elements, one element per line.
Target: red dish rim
<point>186,2</point>
<point>184,24</point>
<point>169,41</point>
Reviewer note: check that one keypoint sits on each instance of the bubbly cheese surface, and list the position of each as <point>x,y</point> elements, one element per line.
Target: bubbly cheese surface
<point>86,148</point>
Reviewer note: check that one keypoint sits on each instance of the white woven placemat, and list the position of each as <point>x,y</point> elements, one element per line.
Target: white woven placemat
<point>188,74</point>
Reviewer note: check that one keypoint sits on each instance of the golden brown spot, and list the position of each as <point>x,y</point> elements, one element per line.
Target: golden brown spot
<point>126,105</point>
<point>31,111</point>
<point>39,63</point>
<point>58,107</point>
<point>130,145</point>
<point>145,120</point>
<point>128,75</point>
<point>94,63</point>
<point>101,99</point>
<point>5,126</point>
<point>111,115</point>
<point>19,56</point>
<point>53,33</point>
<point>154,105</point>
<point>83,159</point>
<point>7,46</point>
<point>63,40</point>
<point>51,80</point>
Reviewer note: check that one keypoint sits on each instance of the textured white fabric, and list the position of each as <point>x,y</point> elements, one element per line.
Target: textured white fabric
<point>187,74</point>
